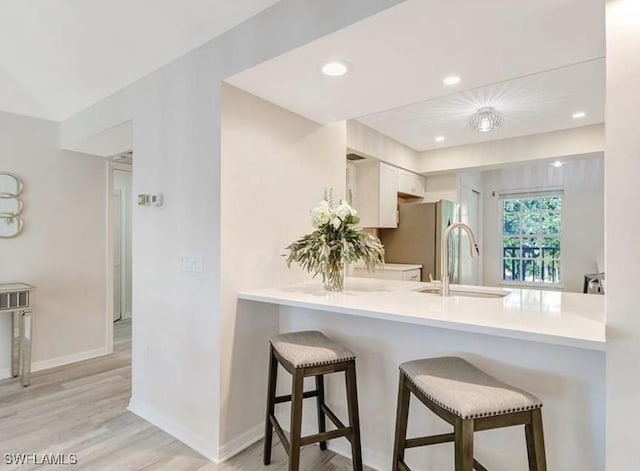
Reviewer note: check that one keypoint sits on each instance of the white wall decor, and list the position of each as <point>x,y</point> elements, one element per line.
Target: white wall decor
<point>10,206</point>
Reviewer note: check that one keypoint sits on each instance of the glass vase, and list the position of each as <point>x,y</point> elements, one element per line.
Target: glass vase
<point>335,276</point>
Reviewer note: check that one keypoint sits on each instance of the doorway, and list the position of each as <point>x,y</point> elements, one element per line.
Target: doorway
<point>122,205</point>
<point>470,273</point>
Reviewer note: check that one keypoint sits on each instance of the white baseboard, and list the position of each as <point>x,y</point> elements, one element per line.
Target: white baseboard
<point>240,443</point>
<point>60,361</point>
<point>173,428</point>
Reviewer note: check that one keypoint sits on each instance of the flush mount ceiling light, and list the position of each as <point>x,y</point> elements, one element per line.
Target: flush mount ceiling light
<point>578,115</point>
<point>485,119</point>
<point>451,80</point>
<point>335,68</point>
<point>439,138</point>
<point>557,164</point>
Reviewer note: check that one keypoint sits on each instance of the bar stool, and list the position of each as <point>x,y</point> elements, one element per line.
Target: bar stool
<point>470,400</point>
<point>311,353</point>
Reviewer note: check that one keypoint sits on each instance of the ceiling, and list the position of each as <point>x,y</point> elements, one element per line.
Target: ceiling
<point>401,55</point>
<point>58,57</point>
<point>528,105</point>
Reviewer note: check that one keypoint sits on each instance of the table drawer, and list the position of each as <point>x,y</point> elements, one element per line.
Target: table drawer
<point>14,300</point>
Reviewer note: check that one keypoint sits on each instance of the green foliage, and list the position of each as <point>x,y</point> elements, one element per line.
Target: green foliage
<point>531,246</point>
<point>333,244</point>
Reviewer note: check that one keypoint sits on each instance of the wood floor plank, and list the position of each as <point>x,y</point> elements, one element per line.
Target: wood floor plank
<point>178,458</point>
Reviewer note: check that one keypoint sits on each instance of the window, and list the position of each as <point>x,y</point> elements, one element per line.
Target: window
<point>531,228</point>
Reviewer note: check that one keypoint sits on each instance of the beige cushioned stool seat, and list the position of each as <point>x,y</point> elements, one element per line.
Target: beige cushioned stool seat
<point>309,348</point>
<point>464,390</point>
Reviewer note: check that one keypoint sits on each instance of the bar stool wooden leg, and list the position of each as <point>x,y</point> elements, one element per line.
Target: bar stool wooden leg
<point>296,420</point>
<point>402,418</point>
<point>535,442</point>
<point>322,420</point>
<point>464,445</point>
<point>354,420</point>
<point>271,404</point>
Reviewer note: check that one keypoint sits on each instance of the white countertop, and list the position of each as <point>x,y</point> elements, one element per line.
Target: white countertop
<point>392,267</point>
<point>569,319</point>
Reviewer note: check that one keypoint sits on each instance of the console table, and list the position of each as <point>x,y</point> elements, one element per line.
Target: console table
<point>16,299</point>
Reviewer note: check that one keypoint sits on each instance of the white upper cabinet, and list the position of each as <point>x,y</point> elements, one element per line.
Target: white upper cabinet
<point>376,198</point>
<point>411,184</point>
<point>388,216</point>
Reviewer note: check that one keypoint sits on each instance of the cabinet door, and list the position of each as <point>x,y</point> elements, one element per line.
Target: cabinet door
<point>388,215</point>
<point>367,195</point>
<point>410,184</point>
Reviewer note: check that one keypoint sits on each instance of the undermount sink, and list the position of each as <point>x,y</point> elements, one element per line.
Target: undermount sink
<point>468,292</point>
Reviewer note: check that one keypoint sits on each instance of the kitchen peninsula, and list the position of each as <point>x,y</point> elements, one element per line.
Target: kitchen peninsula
<point>548,342</point>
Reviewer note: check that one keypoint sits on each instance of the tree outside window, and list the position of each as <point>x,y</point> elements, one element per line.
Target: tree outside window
<point>531,230</point>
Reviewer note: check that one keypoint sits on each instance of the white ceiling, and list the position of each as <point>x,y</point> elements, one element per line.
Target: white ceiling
<point>59,56</point>
<point>529,105</point>
<point>401,55</point>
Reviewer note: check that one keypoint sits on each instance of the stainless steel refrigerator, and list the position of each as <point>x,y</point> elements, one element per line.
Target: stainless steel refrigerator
<point>417,240</point>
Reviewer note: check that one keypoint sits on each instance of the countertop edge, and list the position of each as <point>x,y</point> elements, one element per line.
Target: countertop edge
<point>392,267</point>
<point>560,340</point>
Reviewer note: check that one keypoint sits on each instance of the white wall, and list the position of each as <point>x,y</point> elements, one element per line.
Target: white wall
<point>122,181</point>
<point>622,194</point>
<point>275,166</point>
<point>176,130</point>
<point>568,143</point>
<point>442,187</point>
<point>582,214</point>
<point>62,248</point>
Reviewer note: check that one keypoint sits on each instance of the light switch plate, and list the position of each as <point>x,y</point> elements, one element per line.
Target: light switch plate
<point>193,263</point>
<point>143,199</point>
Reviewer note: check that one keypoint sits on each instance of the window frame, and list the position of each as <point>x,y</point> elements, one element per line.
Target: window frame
<point>522,194</point>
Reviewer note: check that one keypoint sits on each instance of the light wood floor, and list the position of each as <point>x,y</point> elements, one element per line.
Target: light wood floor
<point>81,409</point>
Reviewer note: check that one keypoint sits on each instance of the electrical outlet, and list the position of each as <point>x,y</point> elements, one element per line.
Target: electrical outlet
<point>192,263</point>
<point>157,199</point>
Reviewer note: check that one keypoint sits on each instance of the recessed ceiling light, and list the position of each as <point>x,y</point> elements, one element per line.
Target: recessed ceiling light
<point>451,80</point>
<point>439,138</point>
<point>579,115</point>
<point>335,68</point>
<point>557,164</point>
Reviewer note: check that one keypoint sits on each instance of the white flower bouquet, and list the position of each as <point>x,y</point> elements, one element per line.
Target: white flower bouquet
<point>335,242</point>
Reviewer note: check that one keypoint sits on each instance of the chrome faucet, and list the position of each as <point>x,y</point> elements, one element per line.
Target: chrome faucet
<point>444,252</point>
